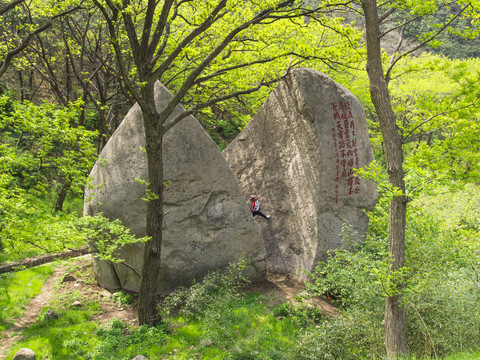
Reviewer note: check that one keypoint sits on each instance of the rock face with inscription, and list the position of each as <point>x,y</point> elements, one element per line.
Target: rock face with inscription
<point>207,223</point>
<point>297,155</point>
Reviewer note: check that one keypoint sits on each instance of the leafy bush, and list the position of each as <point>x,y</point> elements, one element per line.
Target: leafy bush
<point>441,282</point>
<point>118,342</point>
<point>122,298</point>
<point>105,237</point>
<point>341,338</point>
<point>216,285</point>
<point>350,277</point>
<point>301,315</point>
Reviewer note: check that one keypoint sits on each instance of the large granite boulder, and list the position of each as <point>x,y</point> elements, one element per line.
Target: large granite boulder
<point>297,156</point>
<point>207,223</point>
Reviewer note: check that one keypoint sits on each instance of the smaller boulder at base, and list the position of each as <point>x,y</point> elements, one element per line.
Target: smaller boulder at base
<point>24,354</point>
<point>298,155</point>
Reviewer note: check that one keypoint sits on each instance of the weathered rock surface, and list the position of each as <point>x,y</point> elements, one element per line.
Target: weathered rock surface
<point>68,277</point>
<point>24,354</point>
<point>297,156</point>
<point>51,315</point>
<point>207,222</point>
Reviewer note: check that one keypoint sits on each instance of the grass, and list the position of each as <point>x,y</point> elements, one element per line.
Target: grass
<point>17,288</point>
<point>240,328</point>
<point>456,356</point>
<point>233,327</point>
<point>464,356</point>
<point>228,326</point>
<point>248,330</point>
<point>57,338</point>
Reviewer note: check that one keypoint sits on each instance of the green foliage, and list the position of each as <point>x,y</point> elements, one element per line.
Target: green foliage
<point>192,301</point>
<point>441,280</point>
<point>259,54</point>
<point>301,315</point>
<point>31,228</point>
<point>105,236</point>
<point>444,255</point>
<point>40,152</point>
<point>41,147</point>
<point>460,40</point>
<point>346,338</point>
<point>435,100</point>
<point>115,343</point>
<point>122,298</point>
<point>350,278</point>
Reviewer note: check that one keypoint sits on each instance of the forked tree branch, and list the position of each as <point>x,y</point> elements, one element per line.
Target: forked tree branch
<point>24,43</point>
<point>188,83</point>
<point>431,38</point>
<point>194,109</point>
<point>10,6</point>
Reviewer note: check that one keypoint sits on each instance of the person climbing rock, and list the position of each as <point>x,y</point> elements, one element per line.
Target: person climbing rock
<point>255,207</point>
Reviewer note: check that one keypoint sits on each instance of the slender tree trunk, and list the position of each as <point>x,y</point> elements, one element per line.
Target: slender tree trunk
<point>147,303</point>
<point>68,79</point>
<point>22,90</point>
<point>395,340</point>
<point>84,108</point>
<point>62,195</point>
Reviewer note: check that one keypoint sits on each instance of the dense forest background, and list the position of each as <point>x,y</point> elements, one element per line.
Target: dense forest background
<point>63,92</point>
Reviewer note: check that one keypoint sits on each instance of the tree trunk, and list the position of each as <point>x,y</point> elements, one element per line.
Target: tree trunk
<point>395,340</point>
<point>147,302</point>
<point>22,90</point>
<point>62,195</point>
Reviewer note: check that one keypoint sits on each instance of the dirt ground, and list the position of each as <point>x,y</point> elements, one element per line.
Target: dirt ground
<point>277,288</point>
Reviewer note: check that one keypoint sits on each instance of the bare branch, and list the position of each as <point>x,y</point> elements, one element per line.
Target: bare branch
<point>11,54</point>
<point>428,40</point>
<point>131,268</point>
<point>188,83</point>
<point>159,29</point>
<point>397,49</point>
<point>111,21</point>
<point>400,26</point>
<point>240,66</point>
<point>132,33</point>
<point>195,32</point>
<point>236,94</point>
<point>385,15</point>
<point>445,112</point>
<point>10,6</point>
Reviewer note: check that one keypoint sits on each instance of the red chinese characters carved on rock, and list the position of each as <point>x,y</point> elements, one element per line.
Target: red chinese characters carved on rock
<point>346,151</point>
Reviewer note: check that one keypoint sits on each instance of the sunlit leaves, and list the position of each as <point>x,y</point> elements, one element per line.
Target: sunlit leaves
<point>106,237</point>
<point>44,147</point>
<point>436,102</point>
<point>262,52</point>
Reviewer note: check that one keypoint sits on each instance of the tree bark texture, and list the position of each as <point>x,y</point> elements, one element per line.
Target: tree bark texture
<point>62,194</point>
<point>395,339</point>
<point>147,304</point>
<point>37,261</point>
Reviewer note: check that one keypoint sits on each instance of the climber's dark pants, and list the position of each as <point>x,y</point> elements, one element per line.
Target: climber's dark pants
<point>258,213</point>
